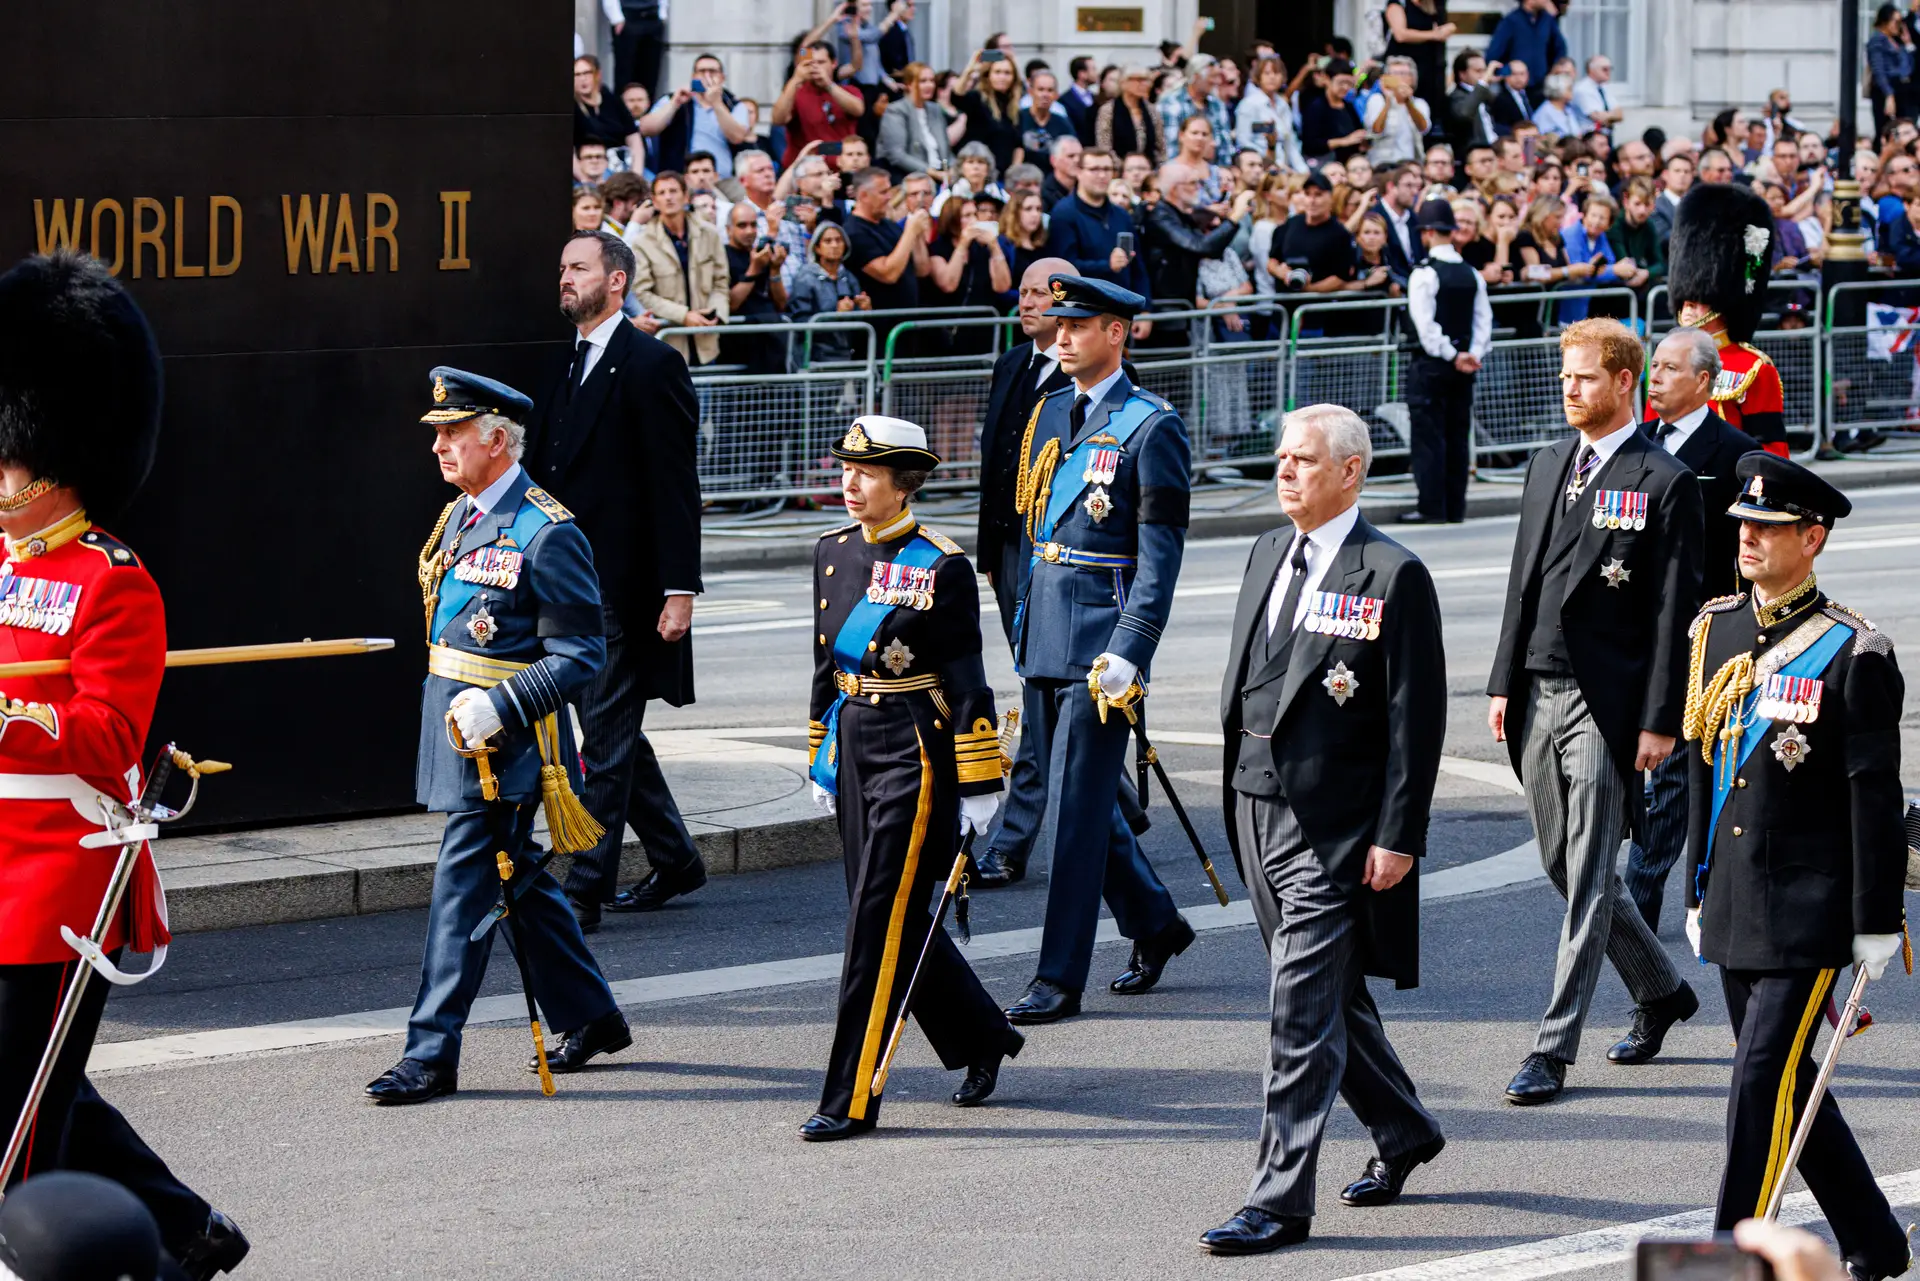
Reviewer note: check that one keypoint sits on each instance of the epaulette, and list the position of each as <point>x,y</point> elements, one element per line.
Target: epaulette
<point>549,504</point>
<point>1867,639</point>
<point>1718,605</point>
<point>847,528</point>
<point>1160,403</point>
<point>941,541</point>
<point>116,552</point>
<point>1761,356</point>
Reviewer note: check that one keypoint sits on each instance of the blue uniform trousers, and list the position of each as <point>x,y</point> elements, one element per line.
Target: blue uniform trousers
<point>1093,851</point>
<point>1660,846</point>
<point>466,884</point>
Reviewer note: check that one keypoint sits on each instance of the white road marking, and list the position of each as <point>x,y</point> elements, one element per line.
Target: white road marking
<point>1607,1247</point>
<point>763,625</point>
<point>1513,867</point>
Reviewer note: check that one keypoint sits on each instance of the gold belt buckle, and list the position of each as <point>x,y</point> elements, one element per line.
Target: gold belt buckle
<point>847,681</point>
<point>1052,553</point>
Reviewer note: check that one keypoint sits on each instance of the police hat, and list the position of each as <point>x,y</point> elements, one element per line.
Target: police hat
<point>876,438</point>
<point>1436,215</point>
<point>1079,296</point>
<point>1779,491</point>
<point>67,1226</point>
<point>459,395</point>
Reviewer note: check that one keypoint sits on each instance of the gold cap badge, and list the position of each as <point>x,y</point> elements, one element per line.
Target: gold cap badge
<point>856,441</point>
<point>439,391</point>
<point>1757,488</point>
<point>1059,292</point>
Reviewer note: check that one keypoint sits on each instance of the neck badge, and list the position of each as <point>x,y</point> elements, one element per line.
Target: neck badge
<point>910,586</point>
<point>38,604</point>
<point>1790,698</point>
<point>1620,509</point>
<point>1348,617</point>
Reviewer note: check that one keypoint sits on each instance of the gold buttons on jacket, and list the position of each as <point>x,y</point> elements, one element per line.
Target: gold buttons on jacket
<point>823,638</point>
<point>872,646</point>
<point>823,602</point>
<point>937,724</point>
<point>1736,831</point>
<point>1739,782</point>
<point>843,538</point>
<point>1761,638</point>
<point>829,571</point>
<point>876,700</point>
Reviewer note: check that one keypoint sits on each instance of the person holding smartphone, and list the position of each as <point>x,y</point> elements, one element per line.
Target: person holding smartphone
<point>1095,235</point>
<point>813,106</point>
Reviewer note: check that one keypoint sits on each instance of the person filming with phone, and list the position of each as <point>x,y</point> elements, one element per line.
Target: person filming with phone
<point>1093,233</point>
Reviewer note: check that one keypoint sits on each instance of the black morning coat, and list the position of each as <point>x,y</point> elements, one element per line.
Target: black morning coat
<point>1802,858</point>
<point>1361,773</point>
<point>622,458</point>
<point>1626,636</point>
<point>1710,454</point>
<point>1014,392</point>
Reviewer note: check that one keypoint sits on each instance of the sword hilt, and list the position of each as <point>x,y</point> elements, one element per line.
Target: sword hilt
<point>489,785</point>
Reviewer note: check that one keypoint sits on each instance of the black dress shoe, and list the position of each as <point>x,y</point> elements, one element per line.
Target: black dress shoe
<point>1539,1080</point>
<point>607,1034</point>
<point>411,1081</point>
<point>217,1248</point>
<point>588,914</point>
<point>1044,1002</point>
<point>821,1128</point>
<point>1150,957</point>
<point>1254,1232</point>
<point>993,869</point>
<point>1381,1183</point>
<point>1650,1024</point>
<point>654,889</point>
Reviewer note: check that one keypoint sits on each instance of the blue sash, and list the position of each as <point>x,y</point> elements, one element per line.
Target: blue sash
<point>850,651</point>
<point>1121,425</point>
<point>454,594</point>
<point>1810,662</point>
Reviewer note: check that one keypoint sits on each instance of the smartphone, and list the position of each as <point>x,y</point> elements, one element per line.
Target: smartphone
<point>827,149</point>
<point>796,202</point>
<point>698,86</point>
<point>761,242</point>
<point>1718,1259</point>
<point>991,55</point>
<point>1207,24</point>
<point>1125,243</point>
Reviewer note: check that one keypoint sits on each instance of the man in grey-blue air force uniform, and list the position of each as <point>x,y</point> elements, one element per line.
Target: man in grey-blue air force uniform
<point>1103,482</point>
<point>513,631</point>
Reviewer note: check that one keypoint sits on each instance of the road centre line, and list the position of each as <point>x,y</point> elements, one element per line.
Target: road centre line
<point>1515,866</point>
<point>1609,1246</point>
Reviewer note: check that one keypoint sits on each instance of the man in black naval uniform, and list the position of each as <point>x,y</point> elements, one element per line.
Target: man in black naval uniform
<point>1104,484</point>
<point>1796,849</point>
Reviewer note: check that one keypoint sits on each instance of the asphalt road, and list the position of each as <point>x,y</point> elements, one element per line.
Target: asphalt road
<point>1116,1138</point>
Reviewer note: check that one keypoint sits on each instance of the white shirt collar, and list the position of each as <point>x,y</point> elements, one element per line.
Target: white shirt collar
<point>1096,393</point>
<point>489,498</point>
<point>1322,544</point>
<point>1609,445</point>
<point>1445,252</point>
<point>1327,538</point>
<point>603,332</point>
<point>1685,426</point>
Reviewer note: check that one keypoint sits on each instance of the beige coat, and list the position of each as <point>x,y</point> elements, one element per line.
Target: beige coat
<point>661,288</point>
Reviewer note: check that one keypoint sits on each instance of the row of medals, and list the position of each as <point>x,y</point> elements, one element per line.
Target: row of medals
<point>1603,521</point>
<point>1346,628</point>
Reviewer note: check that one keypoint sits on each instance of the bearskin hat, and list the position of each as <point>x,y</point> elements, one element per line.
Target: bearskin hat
<point>80,383</point>
<point>1721,252</point>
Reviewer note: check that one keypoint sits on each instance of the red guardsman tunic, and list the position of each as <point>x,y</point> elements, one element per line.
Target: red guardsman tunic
<point>69,740</point>
<point>1748,393</point>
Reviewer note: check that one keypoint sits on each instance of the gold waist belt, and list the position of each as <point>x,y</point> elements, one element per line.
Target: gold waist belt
<point>473,669</point>
<point>853,686</point>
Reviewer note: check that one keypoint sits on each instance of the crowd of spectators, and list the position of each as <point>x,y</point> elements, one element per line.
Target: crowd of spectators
<point>875,183</point>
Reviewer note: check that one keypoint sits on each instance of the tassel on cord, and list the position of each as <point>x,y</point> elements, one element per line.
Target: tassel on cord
<point>570,826</point>
<point>962,916</point>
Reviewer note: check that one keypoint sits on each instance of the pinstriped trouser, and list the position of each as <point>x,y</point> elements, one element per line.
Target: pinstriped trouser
<point>1327,1034</point>
<point>1578,803</point>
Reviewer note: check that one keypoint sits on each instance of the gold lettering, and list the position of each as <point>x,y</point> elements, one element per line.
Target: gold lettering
<point>182,269</point>
<point>154,237</point>
<point>346,239</point>
<point>215,267</point>
<point>304,231</point>
<point>379,228</point>
<point>119,233</point>
<point>453,236</point>
<point>63,234</point>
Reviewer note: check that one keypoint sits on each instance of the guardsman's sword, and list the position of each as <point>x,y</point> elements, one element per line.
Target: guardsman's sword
<point>956,884</point>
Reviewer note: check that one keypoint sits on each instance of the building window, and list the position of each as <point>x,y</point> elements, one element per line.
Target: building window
<point>1603,26</point>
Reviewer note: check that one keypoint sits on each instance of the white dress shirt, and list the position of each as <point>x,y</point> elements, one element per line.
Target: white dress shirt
<point>1322,543</point>
<point>489,498</point>
<point>1098,391</point>
<point>1683,428</point>
<point>1423,288</point>
<point>1607,446</point>
<point>597,343</point>
<point>1049,361</point>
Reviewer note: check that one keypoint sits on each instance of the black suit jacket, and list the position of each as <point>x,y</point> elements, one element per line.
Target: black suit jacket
<point>1710,453</point>
<point>1361,773</point>
<point>622,457</point>
<point>1463,116</point>
<point>1627,643</point>
<point>1507,108</point>
<point>1009,403</point>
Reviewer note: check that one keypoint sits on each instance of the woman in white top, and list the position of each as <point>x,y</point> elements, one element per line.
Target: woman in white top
<point>1396,120</point>
<point>913,132</point>
<point>1263,122</point>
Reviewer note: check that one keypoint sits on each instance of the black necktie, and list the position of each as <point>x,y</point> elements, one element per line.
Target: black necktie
<point>1078,417</point>
<point>578,363</point>
<point>1663,431</point>
<point>1290,602</point>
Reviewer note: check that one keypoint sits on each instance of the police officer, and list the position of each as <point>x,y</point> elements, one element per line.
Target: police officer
<point>1795,841</point>
<point>513,630</point>
<point>902,745</point>
<point>1447,303</point>
<point>1103,484</point>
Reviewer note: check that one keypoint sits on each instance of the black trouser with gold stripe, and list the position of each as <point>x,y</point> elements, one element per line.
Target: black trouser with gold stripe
<point>1775,1015</point>
<point>899,810</point>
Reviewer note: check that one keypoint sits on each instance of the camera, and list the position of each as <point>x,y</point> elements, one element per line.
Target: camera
<point>1298,277</point>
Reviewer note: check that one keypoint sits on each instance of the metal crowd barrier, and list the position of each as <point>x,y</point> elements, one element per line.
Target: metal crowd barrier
<point>1796,352</point>
<point>1872,368</point>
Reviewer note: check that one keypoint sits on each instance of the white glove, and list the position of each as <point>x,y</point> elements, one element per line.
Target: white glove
<point>1693,929</point>
<point>824,800</point>
<point>1118,675</point>
<point>978,811</point>
<point>473,713</point>
<point>1871,952</point>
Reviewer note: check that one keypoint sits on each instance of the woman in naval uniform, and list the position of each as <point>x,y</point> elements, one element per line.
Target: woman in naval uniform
<point>902,745</point>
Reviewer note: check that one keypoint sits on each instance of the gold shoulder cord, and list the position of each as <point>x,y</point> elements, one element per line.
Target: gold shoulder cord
<point>433,566</point>
<point>1034,483</point>
<point>1710,704</point>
